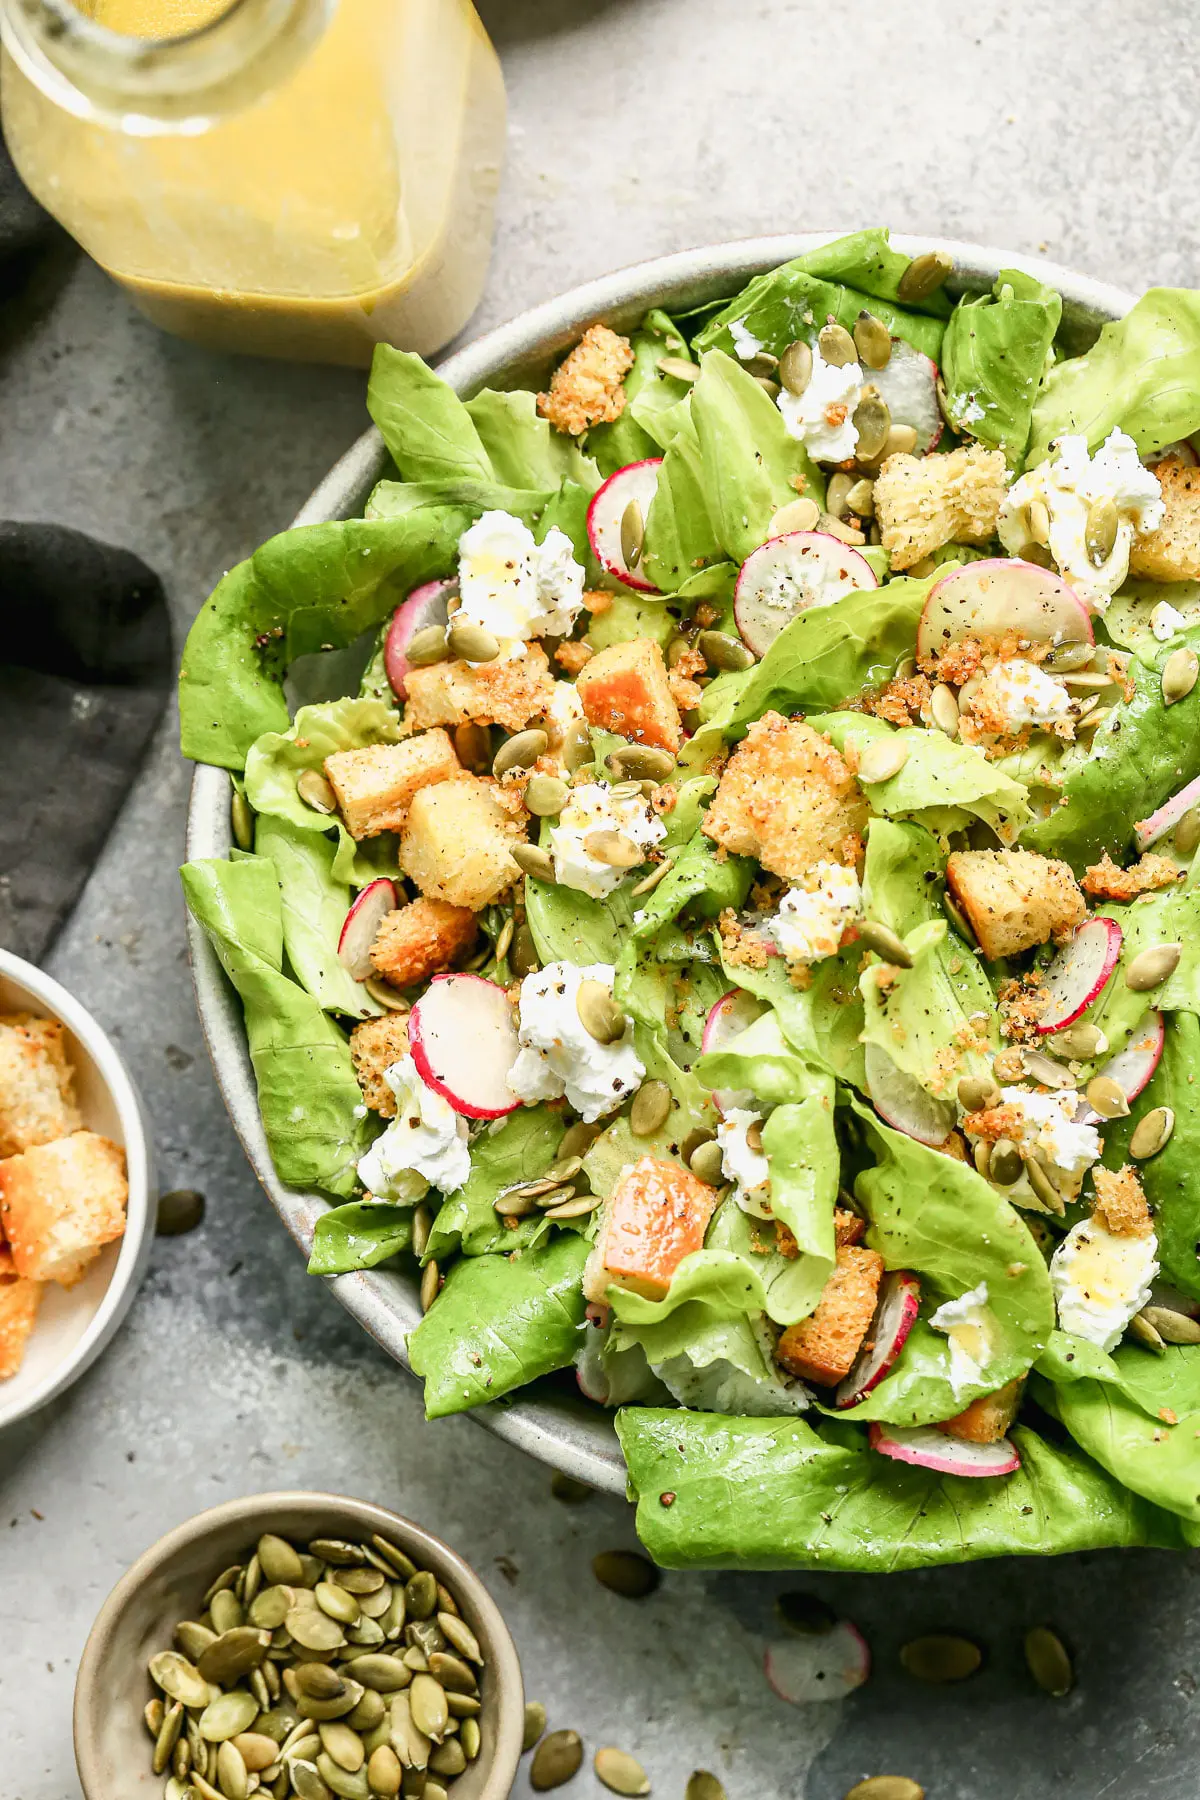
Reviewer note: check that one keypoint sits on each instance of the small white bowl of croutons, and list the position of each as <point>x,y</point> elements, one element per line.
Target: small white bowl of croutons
<point>75,1184</point>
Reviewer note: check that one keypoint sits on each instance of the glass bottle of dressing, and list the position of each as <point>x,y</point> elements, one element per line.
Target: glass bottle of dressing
<point>299,178</point>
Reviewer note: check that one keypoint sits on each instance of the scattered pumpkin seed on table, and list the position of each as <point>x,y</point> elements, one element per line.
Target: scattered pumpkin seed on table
<point>703,1785</point>
<point>555,1760</point>
<point>940,1658</point>
<point>626,1572</point>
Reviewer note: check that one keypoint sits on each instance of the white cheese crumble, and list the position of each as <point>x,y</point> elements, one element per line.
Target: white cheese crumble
<point>559,1056</point>
<point>746,345</point>
<point>1101,1280</point>
<point>565,709</point>
<point>1017,693</point>
<point>515,587</point>
<point>811,921</point>
<point>822,417</point>
<point>1166,620</point>
<point>595,806</point>
<point>742,1164</point>
<point>1068,484</point>
<point>969,1324</point>
<point>1048,1124</point>
<point>426,1138</point>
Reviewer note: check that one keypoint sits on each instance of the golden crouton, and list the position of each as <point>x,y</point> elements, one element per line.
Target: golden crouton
<point>375,1045</point>
<point>420,939</point>
<point>788,798</point>
<point>8,1267</point>
<point>19,1301</point>
<point>37,1102</point>
<point>924,502</point>
<point>457,841</point>
<point>1105,881</point>
<point>510,694</point>
<point>987,1419</point>
<point>625,689</point>
<point>60,1202</point>
<point>1014,899</point>
<point>1120,1205</point>
<point>822,1348</point>
<point>374,786</point>
<point>586,389</point>
<point>848,1228</point>
<point>1172,552</point>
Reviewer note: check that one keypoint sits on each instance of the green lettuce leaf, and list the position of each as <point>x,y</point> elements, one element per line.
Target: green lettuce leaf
<point>823,1021</point>
<point>993,356</point>
<point>521,447</point>
<point>518,1148</point>
<point>359,1235</point>
<point>1169,1179</point>
<point>314,905</point>
<point>680,537</point>
<point>430,433</point>
<point>866,260</point>
<point>1142,1427</point>
<point>632,616</point>
<point>1170,916</point>
<point>944,784</point>
<point>751,464</point>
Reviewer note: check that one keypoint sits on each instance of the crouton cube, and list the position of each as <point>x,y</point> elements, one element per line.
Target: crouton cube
<point>586,389</point>
<point>37,1100</point>
<point>60,1202</point>
<point>375,786</point>
<point>924,502</point>
<point>1172,552</point>
<point>656,1215</point>
<point>375,1045</point>
<point>457,841</point>
<point>625,689</point>
<point>822,1348</point>
<point>19,1301</point>
<point>421,939</point>
<point>987,1419</point>
<point>1120,1205</point>
<point>1014,899</point>
<point>510,694</point>
<point>787,798</point>
<point>848,1228</point>
<point>8,1267</point>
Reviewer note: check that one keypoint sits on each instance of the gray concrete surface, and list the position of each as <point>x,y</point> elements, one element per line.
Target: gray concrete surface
<point>638,126</point>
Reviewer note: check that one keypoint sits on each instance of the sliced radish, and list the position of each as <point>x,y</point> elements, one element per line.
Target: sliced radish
<point>1180,451</point>
<point>464,1044</point>
<point>636,481</point>
<point>903,1103</point>
<point>426,605</point>
<point>908,382</point>
<point>1132,1067</point>
<point>825,1666</point>
<point>728,1017</point>
<point>895,1316</point>
<point>1078,973</point>
<point>1148,831</point>
<point>788,575</point>
<point>361,926</point>
<point>928,1448</point>
<point>997,597</point>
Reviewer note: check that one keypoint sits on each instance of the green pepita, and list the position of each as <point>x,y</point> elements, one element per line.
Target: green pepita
<point>532,860</point>
<point>459,1634</point>
<point>626,1572</point>
<point>836,345</point>
<point>886,943</point>
<point>449,1759</point>
<point>371,1711</point>
<point>1187,832</point>
<point>470,1737</point>
<point>707,1163</point>
<point>872,341</point>
<point>257,1750</point>
<point>226,1612</point>
<point>279,1561</point>
<point>228,1715</point>
<point>860,499</point>
<point>1081,1042</point>
<point>599,1013</point>
<point>180,1211</point>
<point>836,503</point>
<point>678,368</point>
<point>886,1787</point>
<point>1049,1662</point>
<point>452,1673</point>
<point>555,1760</point>
<point>410,1744</point>
<point>337,1603</point>
<point>924,275</point>
<point>545,796</point>
<point>153,1714</point>
<point>315,791</point>
<point>901,441</point>
<point>427,646</point>
<point>1179,675</point>
<point>179,1678</point>
<point>1143,1332</point>
<point>650,1109</point>
<point>318,1710</point>
<point>385,1772</point>
<point>940,1658</point>
<point>977,1092</point>
<point>361,1581</point>
<point>340,1782</point>
<point>168,1736</point>
<point>1107,1097</point>
<point>427,1703</point>
<point>620,1772</point>
<point>193,1638</point>
<point>232,1774</point>
<point>337,1552</point>
<point>472,643</point>
<point>318,1681</point>
<point>1039,1180</point>
<point>872,421</point>
<point>796,515</point>
<point>535,1724</point>
<point>520,751</point>
<point>1172,1327</point>
<point>384,1674</point>
<point>723,652</point>
<point>314,1630</point>
<point>796,367</point>
<point>420,1595</point>
<point>343,1744</point>
<point>463,1706</point>
<point>943,709</point>
<point>233,1655</point>
<point>1150,967</point>
<point>633,532</point>
<point>431,1284</point>
<point>640,762</point>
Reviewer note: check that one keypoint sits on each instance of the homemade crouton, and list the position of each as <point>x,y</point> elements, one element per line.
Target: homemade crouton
<point>924,502</point>
<point>822,1348</point>
<point>374,786</point>
<point>375,1045</point>
<point>586,389</point>
<point>37,1102</point>
<point>1014,899</point>
<point>1120,1205</point>
<point>625,689</point>
<point>457,841</point>
<point>510,694</point>
<point>848,1228</point>
<point>8,1267</point>
<point>788,798</point>
<point>1172,552</point>
<point>656,1215</point>
<point>987,1419</point>
<point>60,1202</point>
<point>1106,881</point>
<point>421,939</point>
<point>19,1301</point>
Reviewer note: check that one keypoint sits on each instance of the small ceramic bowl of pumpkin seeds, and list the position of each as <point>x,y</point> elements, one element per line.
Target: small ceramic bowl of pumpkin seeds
<point>299,1647</point>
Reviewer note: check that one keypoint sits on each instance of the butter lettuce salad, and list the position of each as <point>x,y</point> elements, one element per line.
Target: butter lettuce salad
<point>714,892</point>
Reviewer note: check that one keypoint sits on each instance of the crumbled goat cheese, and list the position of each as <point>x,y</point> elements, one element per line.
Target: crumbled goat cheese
<point>810,922</point>
<point>822,417</point>
<point>1068,484</point>
<point>515,587</point>
<point>559,1056</point>
<point>742,1164</point>
<point>969,1324</point>
<point>591,808</point>
<point>1048,1124</point>
<point>427,1139</point>
<point>1101,1280</point>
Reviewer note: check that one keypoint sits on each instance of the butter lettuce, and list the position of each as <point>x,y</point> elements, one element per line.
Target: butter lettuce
<point>1170,916</point>
<point>517,1148</point>
<point>944,783</point>
<point>993,358</point>
<point>752,466</point>
<point>680,537</point>
<point>1170,1178</point>
<point>314,904</point>
<point>359,1235</point>
<point>823,1020</point>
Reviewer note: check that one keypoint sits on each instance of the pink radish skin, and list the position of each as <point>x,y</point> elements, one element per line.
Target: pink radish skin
<point>361,927</point>
<point>1148,831</point>
<point>908,383</point>
<point>464,1044</point>
<point>636,481</point>
<point>903,1103</point>
<point>727,1018</point>
<point>1132,1067</point>
<point>1079,972</point>
<point>787,575</point>
<point>996,597</point>
<point>825,1666</point>
<point>895,1316</point>
<point>927,1448</point>
<point>426,605</point>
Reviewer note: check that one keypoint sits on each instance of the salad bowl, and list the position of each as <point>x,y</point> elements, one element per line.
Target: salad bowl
<point>547,1420</point>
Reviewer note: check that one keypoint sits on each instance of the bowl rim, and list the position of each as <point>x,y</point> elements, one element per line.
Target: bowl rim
<point>134,1254</point>
<point>434,1552</point>
<point>567,1433</point>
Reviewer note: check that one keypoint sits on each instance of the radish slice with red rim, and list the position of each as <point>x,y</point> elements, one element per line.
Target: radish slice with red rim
<point>895,1316</point>
<point>1078,975</point>
<point>927,1448</point>
<point>728,1017</point>
<point>903,1103</point>
<point>464,1044</point>
<point>825,1665</point>
<point>908,383</point>
<point>787,575</point>
<point>996,598</point>
<point>426,605</point>
<point>635,482</point>
<point>361,926</point>
<point>1148,831</point>
<point>1132,1067</point>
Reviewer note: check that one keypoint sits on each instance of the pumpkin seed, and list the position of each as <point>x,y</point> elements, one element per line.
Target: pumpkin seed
<point>534,861</point>
<point>577,746</point>
<point>368,1634</point>
<point>620,1772</point>
<point>1152,966</point>
<point>1045,1190</point>
<point>426,1634</point>
<point>463,1706</point>
<point>203,1789</point>
<point>845,534</point>
<point>625,1572</point>
<point>431,1284</point>
<point>315,791</point>
<point>1043,1068</point>
<point>233,1655</point>
<point>337,1602</point>
<point>723,652</point>
<point>924,275</point>
<point>340,1781</point>
<point>306,1781</point>
<point>658,873</point>
<point>535,1724</point>
<point>318,1710</point>
<point>384,1674</point>
<point>427,646</point>
<point>472,643</point>
<point>343,1744</point>
<point>470,1737</point>
<point>981,1156</point>
<point>1151,1133</point>
<point>228,1715</point>
<point>179,1678</point>
<point>872,421</point>
<point>860,499</point>
<point>1179,675</point>
<point>943,709</point>
<point>573,1209</point>
<point>886,1787</point>
<point>385,1772</point>
<point>977,1092</point>
<point>319,1681</point>
<point>448,1759</point>
<point>420,1595</point>
<point>599,1013</point>
<point>1187,832</point>
<point>375,1604</point>
<point>1038,521</point>
<point>401,1564</point>
<point>614,849</point>
<point>872,341</point>
<point>232,1775</point>
<point>257,1750</point>
<point>545,796</point>
<point>836,492</point>
<point>153,1714</point>
<point>767,385</point>
<point>1172,1327</point>
<point>193,1639</point>
<point>633,534</point>
<point>1144,1333</point>
<point>836,345</point>
<point>271,1606</point>
<point>473,746</point>
<point>416,1660</point>
<point>707,1162</point>
<point>427,1705</point>
<point>957,918</point>
<point>181,1760</point>
<point>1006,1163</point>
<point>1089,721</point>
<point>886,943</point>
<point>433,1790</point>
<point>452,1673</point>
<point>523,956</point>
<point>520,752</point>
<point>1049,1662</point>
<point>555,1760</point>
<point>796,367</point>
<point>1107,1097</point>
<point>640,762</point>
<point>1081,1042</point>
<point>370,1711</point>
<point>168,1736</point>
<point>901,441</point>
<point>940,1658</point>
<point>678,368</point>
<point>650,1109</point>
<point>797,515</point>
<point>314,1630</point>
<point>280,1563</point>
<point>387,995</point>
<point>180,1211</point>
<point>226,1611</point>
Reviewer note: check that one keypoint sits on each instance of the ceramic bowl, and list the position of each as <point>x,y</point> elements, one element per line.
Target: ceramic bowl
<point>166,1584</point>
<point>74,1324</point>
<point>545,1419</point>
